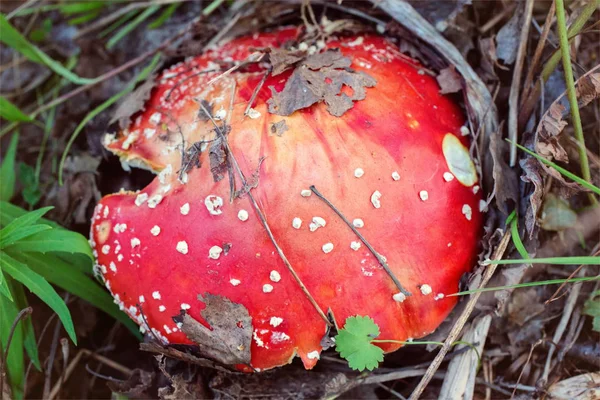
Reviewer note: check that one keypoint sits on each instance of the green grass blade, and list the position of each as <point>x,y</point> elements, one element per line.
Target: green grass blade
<point>41,288</point>
<point>164,16</point>
<point>15,364</point>
<point>22,233</point>
<point>7,170</point>
<point>82,19</point>
<point>71,8</point>
<point>12,38</point>
<point>115,25</point>
<point>580,260</point>
<point>4,290</point>
<point>9,212</point>
<point>10,112</point>
<point>29,341</point>
<point>131,26</point>
<point>528,284</point>
<point>142,75</point>
<point>55,240</point>
<point>514,230</point>
<point>67,277</point>
<point>23,220</point>
<point>560,169</point>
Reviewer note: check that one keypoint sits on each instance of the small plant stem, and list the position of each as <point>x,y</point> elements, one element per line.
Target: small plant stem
<point>550,65</point>
<point>571,94</point>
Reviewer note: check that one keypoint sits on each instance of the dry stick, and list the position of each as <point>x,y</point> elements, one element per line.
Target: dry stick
<point>263,221</point>
<point>49,367</point>
<point>513,100</point>
<point>362,238</point>
<point>22,314</point>
<point>257,89</point>
<point>562,325</point>
<point>538,54</point>
<point>462,320</point>
<point>104,360</point>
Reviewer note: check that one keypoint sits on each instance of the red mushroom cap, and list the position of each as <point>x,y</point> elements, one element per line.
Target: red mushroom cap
<point>396,165</point>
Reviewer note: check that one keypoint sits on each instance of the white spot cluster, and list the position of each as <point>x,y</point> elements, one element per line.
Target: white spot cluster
<point>235,282</point>
<point>185,306</point>
<point>156,295</point>
<point>185,209</point>
<point>467,211</point>
<point>154,201</point>
<point>267,288</point>
<point>399,297</point>
<point>254,114</point>
<point>120,228</point>
<point>155,231</point>
<point>317,222</point>
<point>141,199</point>
<point>105,249</point>
<point>424,195</point>
<point>275,276</point>
<point>425,289</point>
<point>395,176</point>
<point>359,172</point>
<point>215,252</point>
<point>313,355</point>
<point>327,247</point>
<point>182,247</point>
<point>358,223</point>
<point>305,193</point>
<point>296,223</point>
<point>243,215</point>
<point>355,245</point>
<point>213,204</point>
<point>155,118</point>
<point>448,176</point>
<point>135,242</point>
<point>275,321</point>
<point>376,199</point>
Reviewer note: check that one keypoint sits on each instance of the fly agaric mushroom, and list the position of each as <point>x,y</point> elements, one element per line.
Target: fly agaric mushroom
<point>229,248</point>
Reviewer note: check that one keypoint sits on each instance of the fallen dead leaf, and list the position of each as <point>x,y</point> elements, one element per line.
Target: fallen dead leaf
<point>580,387</point>
<point>320,78</point>
<point>449,80</point>
<point>230,335</point>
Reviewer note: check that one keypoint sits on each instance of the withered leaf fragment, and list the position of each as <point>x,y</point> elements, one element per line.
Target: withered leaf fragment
<point>282,59</point>
<point>321,77</point>
<point>229,339</point>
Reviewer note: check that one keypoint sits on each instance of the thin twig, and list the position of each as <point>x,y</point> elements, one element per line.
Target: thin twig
<point>461,321</point>
<point>362,238</point>
<point>562,325</point>
<point>513,100</point>
<point>263,221</point>
<point>22,314</point>
<point>257,89</point>
<point>538,54</point>
<point>572,94</point>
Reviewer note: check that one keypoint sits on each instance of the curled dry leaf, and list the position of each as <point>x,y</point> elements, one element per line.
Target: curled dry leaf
<point>135,386</point>
<point>581,387</point>
<point>229,337</point>
<point>553,123</point>
<point>321,77</point>
<point>449,80</point>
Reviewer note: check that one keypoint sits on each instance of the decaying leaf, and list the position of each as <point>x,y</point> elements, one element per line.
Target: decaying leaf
<point>135,385</point>
<point>581,387</point>
<point>218,159</point>
<point>505,180</point>
<point>552,122</point>
<point>229,338</point>
<point>181,389</point>
<point>532,173</point>
<point>449,80</point>
<point>320,77</point>
<point>524,305</point>
<point>557,215</point>
<point>279,128</point>
<point>508,37</point>
<point>134,102</point>
<point>282,59</point>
